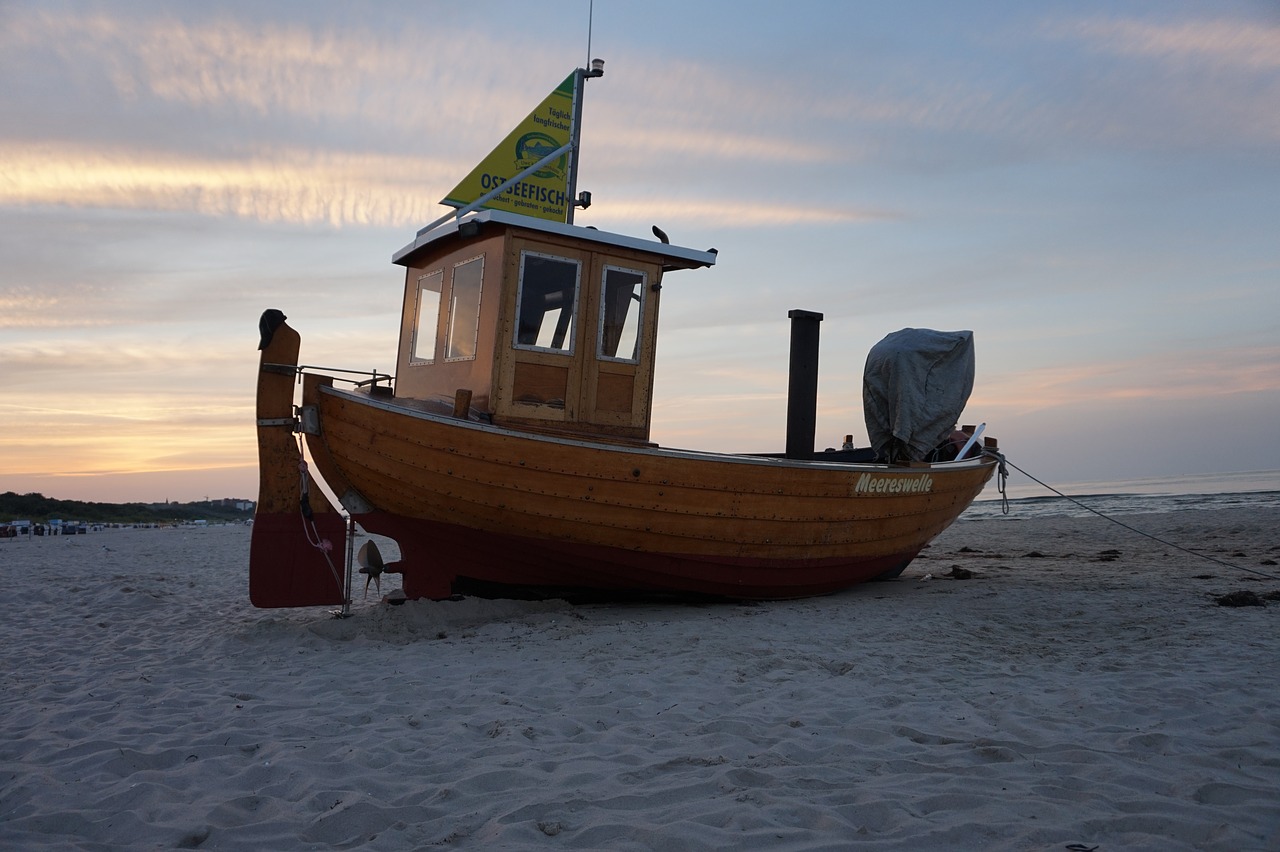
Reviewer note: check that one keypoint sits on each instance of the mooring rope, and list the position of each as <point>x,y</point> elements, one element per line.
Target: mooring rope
<point>308,519</point>
<point>1005,504</point>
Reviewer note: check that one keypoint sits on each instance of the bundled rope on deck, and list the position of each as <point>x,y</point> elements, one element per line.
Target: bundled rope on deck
<point>1002,478</point>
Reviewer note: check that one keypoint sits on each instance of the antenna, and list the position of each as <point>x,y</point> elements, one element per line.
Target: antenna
<point>592,69</point>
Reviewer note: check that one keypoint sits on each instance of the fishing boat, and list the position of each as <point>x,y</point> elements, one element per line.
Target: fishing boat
<point>510,451</point>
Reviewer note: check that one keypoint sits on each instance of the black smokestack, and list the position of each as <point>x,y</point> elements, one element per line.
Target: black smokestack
<point>802,384</point>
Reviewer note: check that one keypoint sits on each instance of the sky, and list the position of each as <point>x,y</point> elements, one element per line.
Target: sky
<point>1092,188</point>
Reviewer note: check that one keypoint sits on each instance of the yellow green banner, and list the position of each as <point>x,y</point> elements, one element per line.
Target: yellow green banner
<point>545,192</point>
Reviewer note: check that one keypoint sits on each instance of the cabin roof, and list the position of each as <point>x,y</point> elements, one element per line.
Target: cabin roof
<point>673,257</point>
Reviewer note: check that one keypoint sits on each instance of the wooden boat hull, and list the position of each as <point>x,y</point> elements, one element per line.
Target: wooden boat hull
<point>474,506</point>
<point>498,564</point>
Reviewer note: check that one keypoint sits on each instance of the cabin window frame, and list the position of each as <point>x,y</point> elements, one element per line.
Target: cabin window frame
<point>451,325</point>
<point>574,319</point>
<point>638,346</point>
<point>415,358</point>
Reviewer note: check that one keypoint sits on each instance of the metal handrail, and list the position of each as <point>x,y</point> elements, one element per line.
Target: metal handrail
<point>375,377</point>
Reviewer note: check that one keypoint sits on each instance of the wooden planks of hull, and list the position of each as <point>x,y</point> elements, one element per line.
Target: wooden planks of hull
<point>461,558</point>
<point>507,508</point>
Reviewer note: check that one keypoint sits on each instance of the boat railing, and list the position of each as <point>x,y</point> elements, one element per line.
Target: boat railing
<point>376,382</point>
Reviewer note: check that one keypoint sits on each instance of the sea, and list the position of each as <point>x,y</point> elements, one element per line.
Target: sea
<point>1028,498</point>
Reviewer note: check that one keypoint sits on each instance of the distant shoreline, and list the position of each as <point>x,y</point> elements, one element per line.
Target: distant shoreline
<point>1237,482</point>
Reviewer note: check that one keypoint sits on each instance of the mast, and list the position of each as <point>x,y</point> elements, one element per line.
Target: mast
<point>581,76</point>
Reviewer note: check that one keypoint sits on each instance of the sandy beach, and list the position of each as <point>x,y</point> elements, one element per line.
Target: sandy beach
<point>1082,689</point>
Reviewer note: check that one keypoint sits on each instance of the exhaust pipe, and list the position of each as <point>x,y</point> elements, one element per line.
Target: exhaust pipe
<point>802,385</point>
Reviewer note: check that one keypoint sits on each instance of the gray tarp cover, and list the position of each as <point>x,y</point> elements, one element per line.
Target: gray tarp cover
<point>914,388</point>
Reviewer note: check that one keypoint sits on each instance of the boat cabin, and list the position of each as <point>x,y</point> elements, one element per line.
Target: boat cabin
<point>533,324</point>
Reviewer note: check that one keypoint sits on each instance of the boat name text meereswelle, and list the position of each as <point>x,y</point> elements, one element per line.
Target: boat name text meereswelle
<point>868,484</point>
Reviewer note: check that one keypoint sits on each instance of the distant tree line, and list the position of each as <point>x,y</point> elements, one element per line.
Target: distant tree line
<point>39,509</point>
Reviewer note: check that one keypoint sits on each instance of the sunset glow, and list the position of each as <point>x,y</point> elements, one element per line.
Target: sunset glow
<point>1089,187</point>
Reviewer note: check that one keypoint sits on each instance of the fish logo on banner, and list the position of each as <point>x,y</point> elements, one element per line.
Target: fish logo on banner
<point>544,193</point>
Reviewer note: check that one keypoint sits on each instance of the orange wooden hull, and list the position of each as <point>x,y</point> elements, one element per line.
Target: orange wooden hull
<point>478,507</point>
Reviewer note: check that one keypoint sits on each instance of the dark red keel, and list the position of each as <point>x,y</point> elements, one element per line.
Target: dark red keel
<point>285,569</point>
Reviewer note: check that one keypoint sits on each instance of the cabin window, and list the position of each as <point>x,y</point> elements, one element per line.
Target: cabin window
<point>621,313</point>
<point>464,310</point>
<point>547,302</point>
<point>427,318</point>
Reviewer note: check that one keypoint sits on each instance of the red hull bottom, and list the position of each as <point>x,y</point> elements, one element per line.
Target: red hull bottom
<point>440,559</point>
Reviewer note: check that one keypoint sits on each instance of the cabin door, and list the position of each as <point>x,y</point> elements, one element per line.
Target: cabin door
<point>541,377</point>
<point>618,364</point>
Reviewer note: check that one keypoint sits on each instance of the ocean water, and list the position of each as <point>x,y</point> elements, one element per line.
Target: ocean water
<point>1030,499</point>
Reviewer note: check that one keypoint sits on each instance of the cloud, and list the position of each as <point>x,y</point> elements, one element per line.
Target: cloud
<point>409,83</point>
<point>260,67</point>
<point>129,412</point>
<point>123,409</point>
<point>1207,83</point>
<point>735,212</point>
<point>629,143</point>
<point>297,186</point>
<point>100,406</point>
<point>106,358</point>
<point>1200,377</point>
<point>27,307</point>
<point>90,445</point>
<point>309,94</point>
<point>421,87</point>
<point>314,187</point>
<point>1221,43</point>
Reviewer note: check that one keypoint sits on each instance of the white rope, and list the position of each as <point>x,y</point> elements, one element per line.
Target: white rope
<point>308,521</point>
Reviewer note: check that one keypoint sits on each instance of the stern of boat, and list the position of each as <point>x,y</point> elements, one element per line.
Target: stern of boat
<point>297,553</point>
